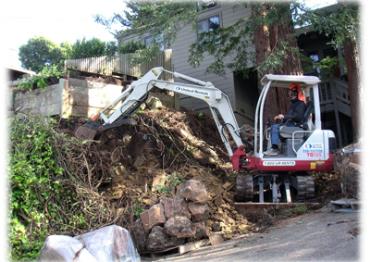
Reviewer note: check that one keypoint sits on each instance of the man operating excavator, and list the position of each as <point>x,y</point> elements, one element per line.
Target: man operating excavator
<point>294,117</point>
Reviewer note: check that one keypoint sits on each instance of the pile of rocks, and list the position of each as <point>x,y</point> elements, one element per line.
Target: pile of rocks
<point>173,221</point>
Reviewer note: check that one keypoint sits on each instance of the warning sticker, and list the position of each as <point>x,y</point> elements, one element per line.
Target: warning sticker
<point>279,163</point>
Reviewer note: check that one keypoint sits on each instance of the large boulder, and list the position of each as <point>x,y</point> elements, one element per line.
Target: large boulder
<point>175,207</point>
<point>110,243</point>
<point>193,190</point>
<point>64,248</point>
<point>159,240</point>
<point>180,227</point>
<point>199,212</point>
<point>154,216</point>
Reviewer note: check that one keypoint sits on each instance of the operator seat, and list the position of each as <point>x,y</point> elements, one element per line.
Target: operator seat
<point>290,145</point>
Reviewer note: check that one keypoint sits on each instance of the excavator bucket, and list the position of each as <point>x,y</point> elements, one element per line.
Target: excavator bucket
<point>88,131</point>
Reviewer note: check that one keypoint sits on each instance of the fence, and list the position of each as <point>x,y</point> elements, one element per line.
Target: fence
<point>120,64</point>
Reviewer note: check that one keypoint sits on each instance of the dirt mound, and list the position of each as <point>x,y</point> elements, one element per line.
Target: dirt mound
<point>130,167</point>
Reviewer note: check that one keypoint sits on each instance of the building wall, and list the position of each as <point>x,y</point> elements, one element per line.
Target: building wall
<point>132,38</point>
<point>229,14</point>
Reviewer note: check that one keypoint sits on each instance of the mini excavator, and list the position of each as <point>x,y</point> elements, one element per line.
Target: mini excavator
<point>282,178</point>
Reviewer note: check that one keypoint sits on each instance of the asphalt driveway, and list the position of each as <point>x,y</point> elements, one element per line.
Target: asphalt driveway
<point>318,236</point>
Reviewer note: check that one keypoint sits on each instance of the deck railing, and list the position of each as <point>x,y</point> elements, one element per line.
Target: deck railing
<point>334,98</point>
<point>334,95</point>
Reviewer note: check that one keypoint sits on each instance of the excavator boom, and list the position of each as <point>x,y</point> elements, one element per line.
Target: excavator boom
<point>138,91</point>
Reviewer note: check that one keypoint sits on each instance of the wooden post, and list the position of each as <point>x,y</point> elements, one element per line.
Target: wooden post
<point>167,62</point>
<point>337,122</point>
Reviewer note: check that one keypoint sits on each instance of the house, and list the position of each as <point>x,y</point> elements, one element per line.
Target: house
<point>242,91</point>
<point>334,97</point>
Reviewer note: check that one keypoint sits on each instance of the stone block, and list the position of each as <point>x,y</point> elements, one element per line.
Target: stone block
<point>193,190</point>
<point>154,216</point>
<point>180,227</point>
<point>159,240</point>
<point>199,212</point>
<point>175,207</point>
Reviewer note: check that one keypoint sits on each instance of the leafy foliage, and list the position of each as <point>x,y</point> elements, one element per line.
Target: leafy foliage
<point>66,49</point>
<point>137,208</point>
<point>233,40</point>
<point>327,65</point>
<point>166,18</point>
<point>110,48</point>
<point>92,48</point>
<point>237,39</point>
<point>39,52</point>
<point>274,60</point>
<point>52,190</point>
<point>35,184</point>
<point>161,19</point>
<point>172,181</point>
<point>131,47</point>
<point>341,23</point>
<point>145,55</point>
<point>40,80</point>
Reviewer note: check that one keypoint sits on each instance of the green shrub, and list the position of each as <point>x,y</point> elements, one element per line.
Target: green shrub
<point>35,184</point>
<point>172,181</point>
<point>137,208</point>
<point>51,191</point>
<point>88,48</point>
<point>41,79</point>
<point>131,47</point>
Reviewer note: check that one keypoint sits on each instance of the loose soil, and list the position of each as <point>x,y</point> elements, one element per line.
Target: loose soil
<point>128,168</point>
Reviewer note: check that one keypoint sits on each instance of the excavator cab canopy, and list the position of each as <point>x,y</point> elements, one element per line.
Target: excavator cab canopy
<point>306,83</point>
<point>285,80</point>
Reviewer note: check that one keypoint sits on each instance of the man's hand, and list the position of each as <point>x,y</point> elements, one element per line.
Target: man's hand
<point>279,117</point>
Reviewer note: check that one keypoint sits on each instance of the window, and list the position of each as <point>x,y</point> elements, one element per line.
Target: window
<point>209,24</point>
<point>149,40</point>
<point>315,57</point>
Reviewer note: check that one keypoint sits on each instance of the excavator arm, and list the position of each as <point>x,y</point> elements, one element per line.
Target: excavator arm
<point>137,93</point>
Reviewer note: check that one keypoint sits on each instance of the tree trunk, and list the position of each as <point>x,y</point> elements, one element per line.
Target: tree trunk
<point>351,56</point>
<point>267,37</point>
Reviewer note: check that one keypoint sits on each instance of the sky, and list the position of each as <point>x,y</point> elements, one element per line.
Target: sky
<point>59,21</point>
